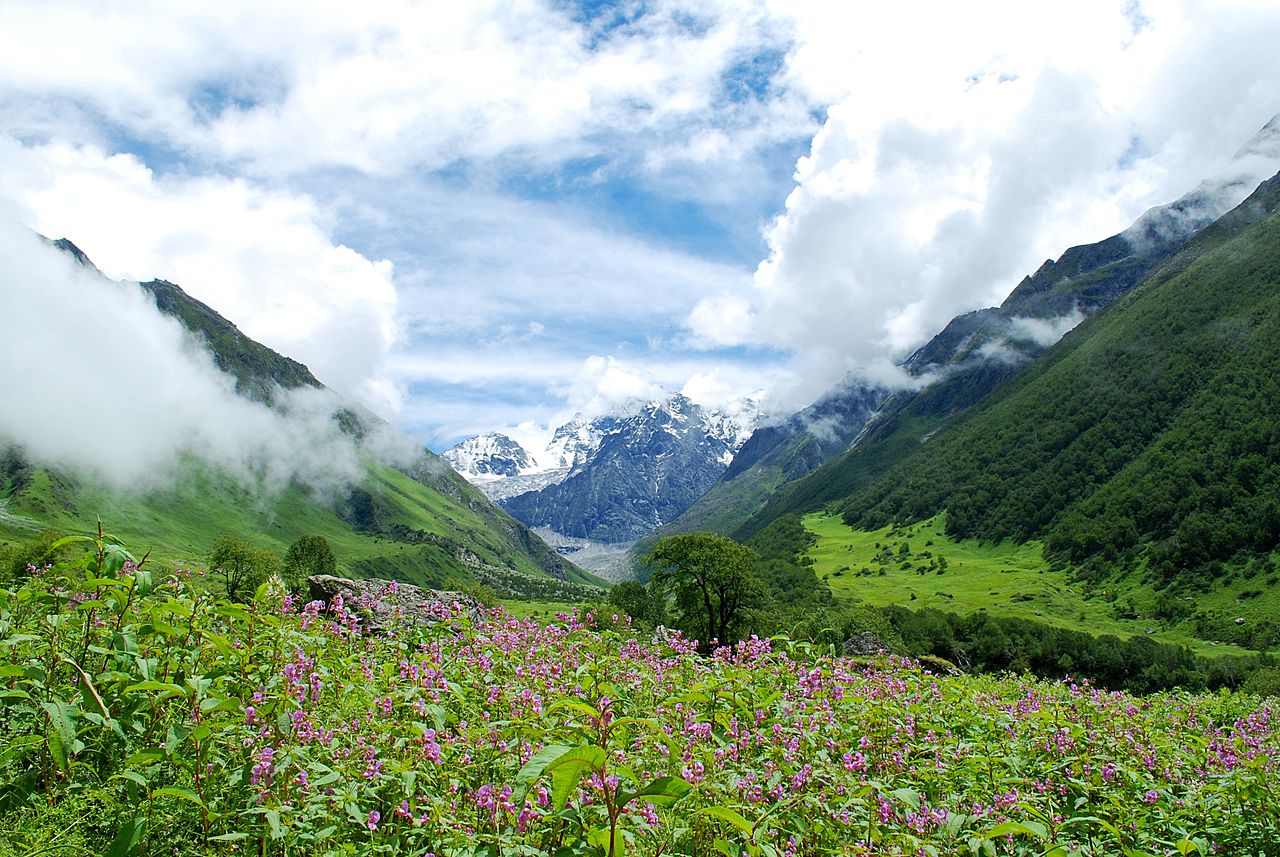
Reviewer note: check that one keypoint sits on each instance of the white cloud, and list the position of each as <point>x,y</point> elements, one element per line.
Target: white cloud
<point>112,387</point>
<point>380,86</point>
<point>262,258</point>
<point>956,159</point>
<point>293,146</point>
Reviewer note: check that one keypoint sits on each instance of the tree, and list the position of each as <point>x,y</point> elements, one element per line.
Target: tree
<point>714,581</point>
<point>308,556</point>
<point>240,567</point>
<point>644,604</point>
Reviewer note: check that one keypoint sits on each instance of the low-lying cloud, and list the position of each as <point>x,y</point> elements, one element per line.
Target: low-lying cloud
<point>94,378</point>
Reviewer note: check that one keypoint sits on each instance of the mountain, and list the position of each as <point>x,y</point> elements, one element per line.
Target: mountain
<point>977,352</point>
<point>1144,444</point>
<point>493,455</point>
<point>777,453</point>
<point>646,467</point>
<point>410,517</point>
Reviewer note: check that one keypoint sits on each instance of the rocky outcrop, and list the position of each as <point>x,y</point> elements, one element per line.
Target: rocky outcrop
<point>384,605</point>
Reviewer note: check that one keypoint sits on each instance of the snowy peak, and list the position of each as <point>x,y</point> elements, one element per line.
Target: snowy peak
<point>575,442</point>
<point>615,477</point>
<point>488,455</point>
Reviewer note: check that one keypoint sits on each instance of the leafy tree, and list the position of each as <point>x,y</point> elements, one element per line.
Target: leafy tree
<point>644,604</point>
<point>309,555</point>
<point>713,579</point>
<point>241,568</point>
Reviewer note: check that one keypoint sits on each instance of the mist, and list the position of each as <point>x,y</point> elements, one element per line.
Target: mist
<point>97,380</point>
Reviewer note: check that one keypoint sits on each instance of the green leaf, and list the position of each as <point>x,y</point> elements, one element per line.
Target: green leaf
<point>664,791</point>
<point>580,707</point>
<point>127,837</point>
<point>537,765</point>
<point>58,750</point>
<point>179,792</point>
<point>164,688</point>
<point>600,839</point>
<point>62,716</point>
<point>133,776</point>
<point>908,796</point>
<point>724,813</point>
<point>1007,828</point>
<point>567,768</point>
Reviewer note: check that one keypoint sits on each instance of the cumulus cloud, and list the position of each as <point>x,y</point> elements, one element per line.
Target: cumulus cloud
<point>261,258</point>
<point>560,181</point>
<point>95,378</point>
<point>378,87</point>
<point>951,164</point>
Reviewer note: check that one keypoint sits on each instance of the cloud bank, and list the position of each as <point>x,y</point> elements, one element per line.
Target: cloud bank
<point>262,258</point>
<point>952,163</point>
<point>454,212</point>
<point>95,378</point>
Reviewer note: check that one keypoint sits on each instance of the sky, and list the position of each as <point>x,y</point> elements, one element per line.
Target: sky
<point>490,215</point>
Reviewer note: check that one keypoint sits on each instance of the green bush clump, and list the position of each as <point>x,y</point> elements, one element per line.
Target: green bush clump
<point>146,716</point>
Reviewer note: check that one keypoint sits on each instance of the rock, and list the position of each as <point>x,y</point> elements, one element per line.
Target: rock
<point>661,636</point>
<point>384,605</point>
<point>864,645</point>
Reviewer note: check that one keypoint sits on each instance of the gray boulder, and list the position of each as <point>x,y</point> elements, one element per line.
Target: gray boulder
<point>384,605</point>
<point>864,645</point>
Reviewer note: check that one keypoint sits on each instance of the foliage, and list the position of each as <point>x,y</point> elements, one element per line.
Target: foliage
<point>1146,436</point>
<point>142,717</point>
<point>645,604</point>
<point>713,579</point>
<point>34,552</point>
<point>240,568</point>
<point>308,556</point>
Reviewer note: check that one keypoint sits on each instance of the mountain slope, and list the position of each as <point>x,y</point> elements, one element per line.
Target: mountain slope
<point>1146,439</point>
<point>417,520</point>
<point>1151,433</point>
<point>979,351</point>
<point>779,453</point>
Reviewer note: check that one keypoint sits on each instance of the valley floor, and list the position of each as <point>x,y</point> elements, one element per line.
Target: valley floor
<point>918,566</point>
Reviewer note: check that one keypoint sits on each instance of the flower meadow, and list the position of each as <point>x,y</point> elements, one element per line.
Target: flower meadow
<point>144,715</point>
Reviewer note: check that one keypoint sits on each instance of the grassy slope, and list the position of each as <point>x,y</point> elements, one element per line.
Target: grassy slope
<point>181,523</point>
<point>1006,578</point>
<point>425,525</point>
<point>900,439</point>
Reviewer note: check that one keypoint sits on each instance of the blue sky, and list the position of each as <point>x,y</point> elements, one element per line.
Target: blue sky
<point>488,216</point>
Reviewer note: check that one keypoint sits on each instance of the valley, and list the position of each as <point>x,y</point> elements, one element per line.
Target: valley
<point>626,429</point>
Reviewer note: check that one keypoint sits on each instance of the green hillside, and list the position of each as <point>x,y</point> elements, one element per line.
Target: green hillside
<point>393,526</point>
<point>421,523</point>
<point>908,421</point>
<point>1145,443</point>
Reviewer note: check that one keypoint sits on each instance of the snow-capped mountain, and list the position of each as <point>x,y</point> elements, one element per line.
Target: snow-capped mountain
<point>492,455</point>
<point>615,477</point>
<point>651,464</point>
<point>575,442</point>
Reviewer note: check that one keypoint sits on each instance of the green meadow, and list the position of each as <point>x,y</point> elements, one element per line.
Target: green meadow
<point>918,566</point>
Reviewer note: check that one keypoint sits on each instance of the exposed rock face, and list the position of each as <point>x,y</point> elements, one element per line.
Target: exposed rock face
<point>384,605</point>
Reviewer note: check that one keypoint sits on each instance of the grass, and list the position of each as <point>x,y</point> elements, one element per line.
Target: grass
<point>179,524</point>
<point>1006,578</point>
<point>539,610</point>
